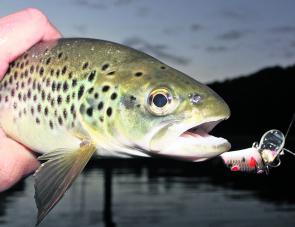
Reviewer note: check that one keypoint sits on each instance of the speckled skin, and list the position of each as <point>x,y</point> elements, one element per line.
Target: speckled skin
<point>61,92</point>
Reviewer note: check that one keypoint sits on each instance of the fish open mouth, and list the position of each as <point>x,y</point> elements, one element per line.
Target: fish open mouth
<point>194,143</point>
<point>201,133</point>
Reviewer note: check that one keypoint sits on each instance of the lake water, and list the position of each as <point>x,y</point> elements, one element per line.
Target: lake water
<point>161,193</point>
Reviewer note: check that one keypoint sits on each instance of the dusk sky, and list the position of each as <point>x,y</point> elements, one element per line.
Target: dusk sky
<point>209,40</point>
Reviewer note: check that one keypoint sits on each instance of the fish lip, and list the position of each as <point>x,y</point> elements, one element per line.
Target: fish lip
<point>207,126</point>
<point>190,149</point>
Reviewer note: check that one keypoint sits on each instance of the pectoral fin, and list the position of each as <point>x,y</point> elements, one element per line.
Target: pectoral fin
<point>56,175</point>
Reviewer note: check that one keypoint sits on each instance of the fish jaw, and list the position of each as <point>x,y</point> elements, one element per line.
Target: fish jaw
<point>190,142</point>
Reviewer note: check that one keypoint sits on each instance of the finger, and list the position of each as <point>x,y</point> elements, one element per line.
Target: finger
<point>20,31</point>
<point>15,162</point>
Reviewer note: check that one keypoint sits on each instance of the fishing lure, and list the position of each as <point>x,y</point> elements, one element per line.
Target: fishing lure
<point>262,156</point>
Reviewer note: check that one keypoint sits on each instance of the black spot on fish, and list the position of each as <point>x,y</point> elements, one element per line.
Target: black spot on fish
<point>48,97</point>
<point>73,108</point>
<point>46,111</point>
<point>70,75</point>
<point>43,95</point>
<point>48,82</point>
<point>53,86</point>
<point>109,111</point>
<point>58,86</point>
<point>101,119</point>
<point>41,72</point>
<point>10,79</point>
<point>59,100</point>
<point>65,113</point>
<point>25,56</point>
<point>29,80</point>
<point>59,56</point>
<point>73,95</point>
<point>32,69</point>
<point>105,88</point>
<point>96,95</point>
<point>111,73</point>
<point>82,108</point>
<point>12,92</point>
<point>51,124</point>
<point>39,108</point>
<point>15,75</point>
<point>22,84</point>
<point>114,96</point>
<point>90,90</point>
<point>91,76</point>
<point>51,72</point>
<point>22,65</point>
<point>57,73</point>
<point>5,84</point>
<point>6,98</point>
<point>39,87</point>
<point>32,110</point>
<point>105,67</point>
<point>89,111</point>
<point>74,82</point>
<point>52,102</point>
<point>81,91</point>
<point>48,61</point>
<point>19,96</point>
<point>100,106</point>
<point>35,97</point>
<point>29,94</point>
<point>64,70</point>
<point>138,74</point>
<point>37,120</point>
<point>68,99</point>
<point>26,73</point>
<point>65,86</point>
<point>60,120</point>
<point>163,67</point>
<point>85,65</point>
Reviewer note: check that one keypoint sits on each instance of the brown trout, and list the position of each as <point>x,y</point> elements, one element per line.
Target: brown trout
<point>69,99</point>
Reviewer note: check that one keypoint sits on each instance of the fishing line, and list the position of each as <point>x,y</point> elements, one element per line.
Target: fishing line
<point>290,125</point>
<point>287,132</point>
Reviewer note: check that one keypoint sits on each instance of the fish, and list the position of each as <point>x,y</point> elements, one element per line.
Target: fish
<point>73,98</point>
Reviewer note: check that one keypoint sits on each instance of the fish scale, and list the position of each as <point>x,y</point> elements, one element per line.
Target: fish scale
<point>47,90</point>
<point>69,99</point>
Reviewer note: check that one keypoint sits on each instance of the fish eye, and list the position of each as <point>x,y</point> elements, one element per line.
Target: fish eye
<point>159,101</point>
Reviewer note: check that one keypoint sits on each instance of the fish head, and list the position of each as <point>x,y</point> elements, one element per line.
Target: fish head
<point>165,112</point>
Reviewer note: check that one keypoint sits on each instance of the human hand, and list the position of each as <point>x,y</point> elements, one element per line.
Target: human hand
<point>18,32</point>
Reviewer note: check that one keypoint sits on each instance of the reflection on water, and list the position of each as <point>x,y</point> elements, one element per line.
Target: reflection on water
<point>161,193</point>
